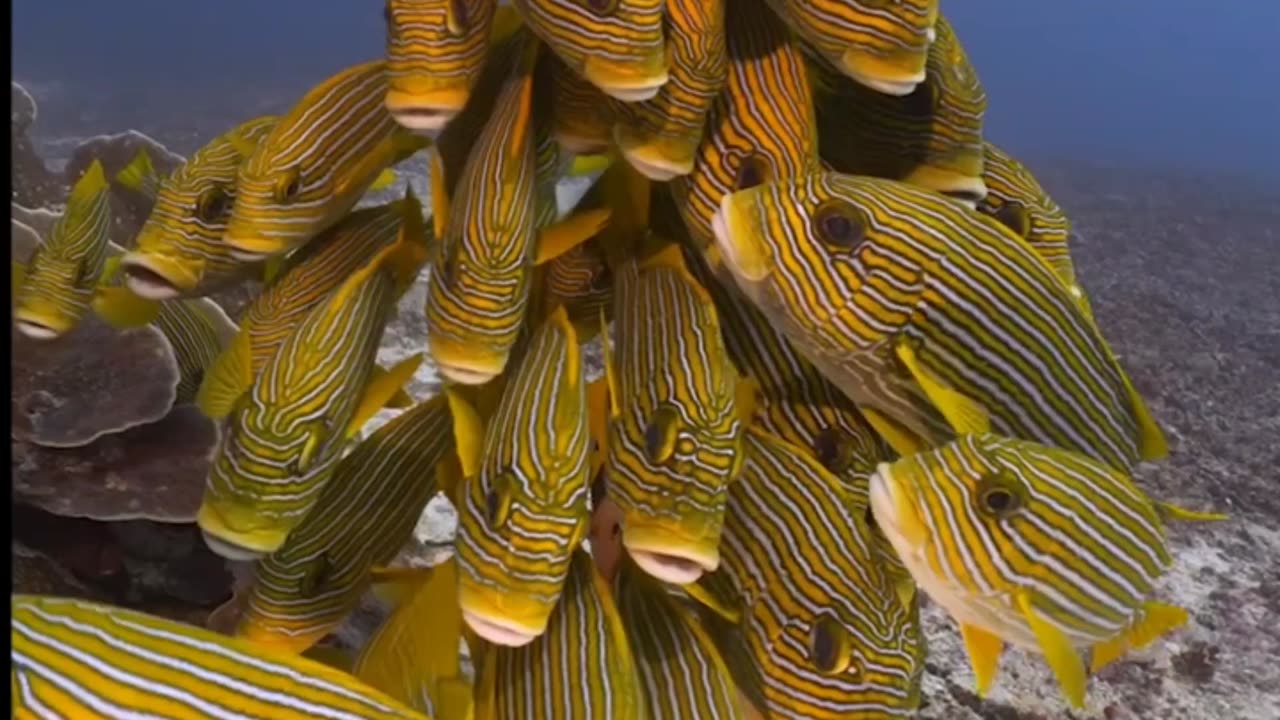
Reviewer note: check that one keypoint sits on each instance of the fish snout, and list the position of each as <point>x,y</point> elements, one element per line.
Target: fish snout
<point>425,111</point>
<point>739,239</point>
<point>898,74</point>
<point>628,82</point>
<point>153,278</point>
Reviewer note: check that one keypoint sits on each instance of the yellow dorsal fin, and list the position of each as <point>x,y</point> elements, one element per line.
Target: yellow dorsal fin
<point>227,379</point>
<point>468,433</point>
<point>1058,652</point>
<point>610,371</point>
<point>902,440</point>
<point>449,477</point>
<point>381,389</point>
<point>984,650</point>
<point>562,236</point>
<point>93,181</point>
<point>140,175</point>
<point>120,308</point>
<point>715,592</point>
<point>965,415</point>
<point>271,268</point>
<point>522,127</point>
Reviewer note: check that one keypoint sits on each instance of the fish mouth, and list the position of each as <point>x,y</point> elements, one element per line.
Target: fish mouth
<point>628,82</point>
<point>667,568</point>
<point>884,75</point>
<point>744,252</point>
<point>657,159</point>
<point>462,363</point>
<point>964,187</point>
<point>146,280</point>
<point>466,375</point>
<point>37,329</point>
<point>894,514</point>
<point>661,553</point>
<point>500,631</point>
<point>425,111</point>
<point>231,544</point>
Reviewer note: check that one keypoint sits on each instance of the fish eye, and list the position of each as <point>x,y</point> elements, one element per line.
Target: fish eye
<point>829,654</point>
<point>660,434</point>
<point>289,188</point>
<point>998,500</point>
<point>832,451</point>
<point>602,7</point>
<point>839,226</point>
<point>317,572</point>
<point>213,205</point>
<point>751,172</point>
<point>1013,215</point>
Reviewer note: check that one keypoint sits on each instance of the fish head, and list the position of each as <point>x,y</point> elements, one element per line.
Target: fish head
<point>265,474</point>
<point>276,208</point>
<point>179,251</point>
<point>616,45</point>
<point>526,511</point>
<point>300,593</point>
<point>1017,200</point>
<point>435,51</point>
<point>581,281</point>
<point>881,44</point>
<point>986,520</point>
<point>55,293</point>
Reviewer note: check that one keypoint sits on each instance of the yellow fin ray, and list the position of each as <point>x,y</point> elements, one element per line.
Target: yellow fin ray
<point>903,441</point>
<point>965,415</point>
<point>381,389</point>
<point>1058,652</point>
<point>384,180</point>
<point>227,378</point>
<point>140,175</point>
<point>589,164</point>
<point>93,180</point>
<point>1157,619</point>
<point>395,585</point>
<point>983,649</point>
<point>1169,511</point>
<point>715,592</point>
<point>560,237</point>
<point>468,433</point>
<point>439,196</point>
<point>1151,442</point>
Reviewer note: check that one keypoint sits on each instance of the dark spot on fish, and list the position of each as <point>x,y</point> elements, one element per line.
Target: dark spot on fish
<point>602,7</point>
<point>492,506</point>
<point>461,18</point>
<point>839,226</point>
<point>598,489</point>
<point>214,205</point>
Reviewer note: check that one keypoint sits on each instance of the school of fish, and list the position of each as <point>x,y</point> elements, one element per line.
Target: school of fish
<point>847,360</point>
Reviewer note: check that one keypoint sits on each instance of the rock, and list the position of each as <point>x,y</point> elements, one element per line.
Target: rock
<point>41,220</point>
<point>33,185</point>
<point>155,471</point>
<point>93,381</point>
<point>129,208</point>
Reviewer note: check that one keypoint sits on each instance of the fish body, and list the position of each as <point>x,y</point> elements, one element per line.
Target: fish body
<point>523,505</point>
<point>761,126</point>
<point>680,668</point>
<point>77,659</point>
<point>931,137</point>
<point>304,589</point>
<point>1019,202</point>
<point>435,50</point>
<point>179,252</point>
<point>660,136</point>
<point>307,278</point>
<point>198,330</point>
<point>582,116</point>
<point>581,668</point>
<point>882,46</point>
<point>316,163</point>
<point>56,288</point>
<point>822,624</point>
<point>934,319</point>
<point>286,432</point>
<point>617,46</point>
<point>1030,545</point>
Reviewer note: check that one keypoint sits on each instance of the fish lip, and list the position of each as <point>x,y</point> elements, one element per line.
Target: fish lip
<point>146,282</point>
<point>497,632</point>
<point>617,81</point>
<point>465,375</point>
<point>874,72</point>
<point>667,567</point>
<point>426,120</point>
<point>888,507</point>
<point>229,550</point>
<point>725,227</point>
<point>248,255</point>
<point>653,165</point>
<point>36,330</point>
<point>218,536</point>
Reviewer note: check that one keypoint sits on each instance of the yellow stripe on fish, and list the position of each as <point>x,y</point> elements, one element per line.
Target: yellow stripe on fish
<point>581,114</point>
<point>523,506</point>
<point>616,45</point>
<point>316,163</point>
<point>310,277</point>
<point>660,137</point>
<point>1017,200</point>
<point>435,51</point>
<point>680,669</point>
<point>180,250</point>
<point>1032,545</point>
<point>581,667</point>
<point>934,319</point>
<point>931,137</point>
<point>287,431</point>
<point>55,289</point>
<point>761,125</point>
<point>77,659</point>
<point>363,515</point>
<point>825,628</point>
<point>881,45</point>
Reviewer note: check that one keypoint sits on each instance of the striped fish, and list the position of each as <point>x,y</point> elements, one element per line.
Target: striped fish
<point>883,46</point>
<point>435,50</point>
<point>1017,200</point>
<point>660,137</point>
<point>285,433</point>
<point>179,251</point>
<point>680,669</point>
<point>414,655</point>
<point>1032,545</point>
<point>616,45</point>
<point>197,329</point>
<point>76,659</point>
<point>934,319</point>
<point>582,116</point>
<point>316,163</point>
<point>307,279</point>
<point>674,429</point>
<point>363,516</point>
<point>523,505</point>
<point>581,668</point>
<point>494,228</point>
<point>824,629</point>
<point>761,125</point>
<point>931,137</point>
<point>56,287</point>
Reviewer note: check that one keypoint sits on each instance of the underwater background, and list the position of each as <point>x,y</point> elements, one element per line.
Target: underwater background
<point>1155,125</point>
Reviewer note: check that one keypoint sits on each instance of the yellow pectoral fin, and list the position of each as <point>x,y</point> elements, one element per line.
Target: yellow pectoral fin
<point>1058,653</point>
<point>396,585</point>
<point>984,650</point>
<point>468,433</point>
<point>385,179</point>
<point>1169,511</point>
<point>903,441</point>
<point>716,593</point>
<point>120,308</point>
<point>439,196</point>
<point>140,175</point>
<point>382,389</point>
<point>453,699</point>
<point>561,237</point>
<point>227,378</point>
<point>1158,619</point>
<point>965,415</point>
